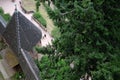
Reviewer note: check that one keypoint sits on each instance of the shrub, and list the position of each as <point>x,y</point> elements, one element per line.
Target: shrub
<point>1,11</point>
<point>36,15</point>
<point>6,16</point>
<point>56,32</point>
<point>45,50</point>
<point>54,70</point>
<point>37,5</point>
<point>18,76</point>
<point>40,19</point>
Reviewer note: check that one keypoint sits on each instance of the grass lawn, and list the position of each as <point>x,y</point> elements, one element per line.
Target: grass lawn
<point>29,5</point>
<point>51,28</point>
<point>43,12</point>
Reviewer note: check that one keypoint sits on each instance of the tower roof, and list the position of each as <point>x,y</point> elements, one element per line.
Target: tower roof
<point>2,25</point>
<point>20,31</point>
<point>21,35</point>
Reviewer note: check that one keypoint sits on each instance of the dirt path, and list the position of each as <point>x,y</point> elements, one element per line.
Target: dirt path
<point>9,7</point>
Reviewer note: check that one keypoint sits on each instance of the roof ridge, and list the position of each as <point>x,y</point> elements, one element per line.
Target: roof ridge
<point>17,30</point>
<point>14,35</point>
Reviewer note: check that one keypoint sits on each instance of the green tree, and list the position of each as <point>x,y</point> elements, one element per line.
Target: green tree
<point>90,37</point>
<point>37,5</point>
<point>5,16</point>
<point>1,11</point>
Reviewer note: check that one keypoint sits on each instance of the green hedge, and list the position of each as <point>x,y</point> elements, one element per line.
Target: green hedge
<point>1,11</point>
<point>5,16</point>
<point>39,17</point>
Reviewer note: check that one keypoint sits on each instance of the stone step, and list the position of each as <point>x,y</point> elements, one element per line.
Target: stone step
<point>7,68</point>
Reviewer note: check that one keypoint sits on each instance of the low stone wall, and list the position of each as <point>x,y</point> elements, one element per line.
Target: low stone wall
<point>45,29</point>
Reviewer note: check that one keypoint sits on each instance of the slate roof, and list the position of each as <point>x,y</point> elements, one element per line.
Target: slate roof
<point>19,25</point>
<point>21,35</point>
<point>2,25</point>
<point>30,69</point>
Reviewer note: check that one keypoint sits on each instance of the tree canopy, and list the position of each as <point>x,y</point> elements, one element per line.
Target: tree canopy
<point>90,39</point>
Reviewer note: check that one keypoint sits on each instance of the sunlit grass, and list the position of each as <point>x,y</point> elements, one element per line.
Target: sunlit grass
<point>29,5</point>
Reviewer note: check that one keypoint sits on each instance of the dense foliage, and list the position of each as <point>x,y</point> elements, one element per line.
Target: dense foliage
<point>37,5</point>
<point>5,16</point>
<point>90,39</point>
<point>1,11</point>
<point>18,76</point>
<point>39,18</point>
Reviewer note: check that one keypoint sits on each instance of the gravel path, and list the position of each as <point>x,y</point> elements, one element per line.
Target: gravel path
<point>9,7</point>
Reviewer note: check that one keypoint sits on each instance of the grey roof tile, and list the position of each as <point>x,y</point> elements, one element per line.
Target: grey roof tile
<point>29,33</point>
<point>21,35</point>
<point>30,69</point>
<point>3,24</point>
